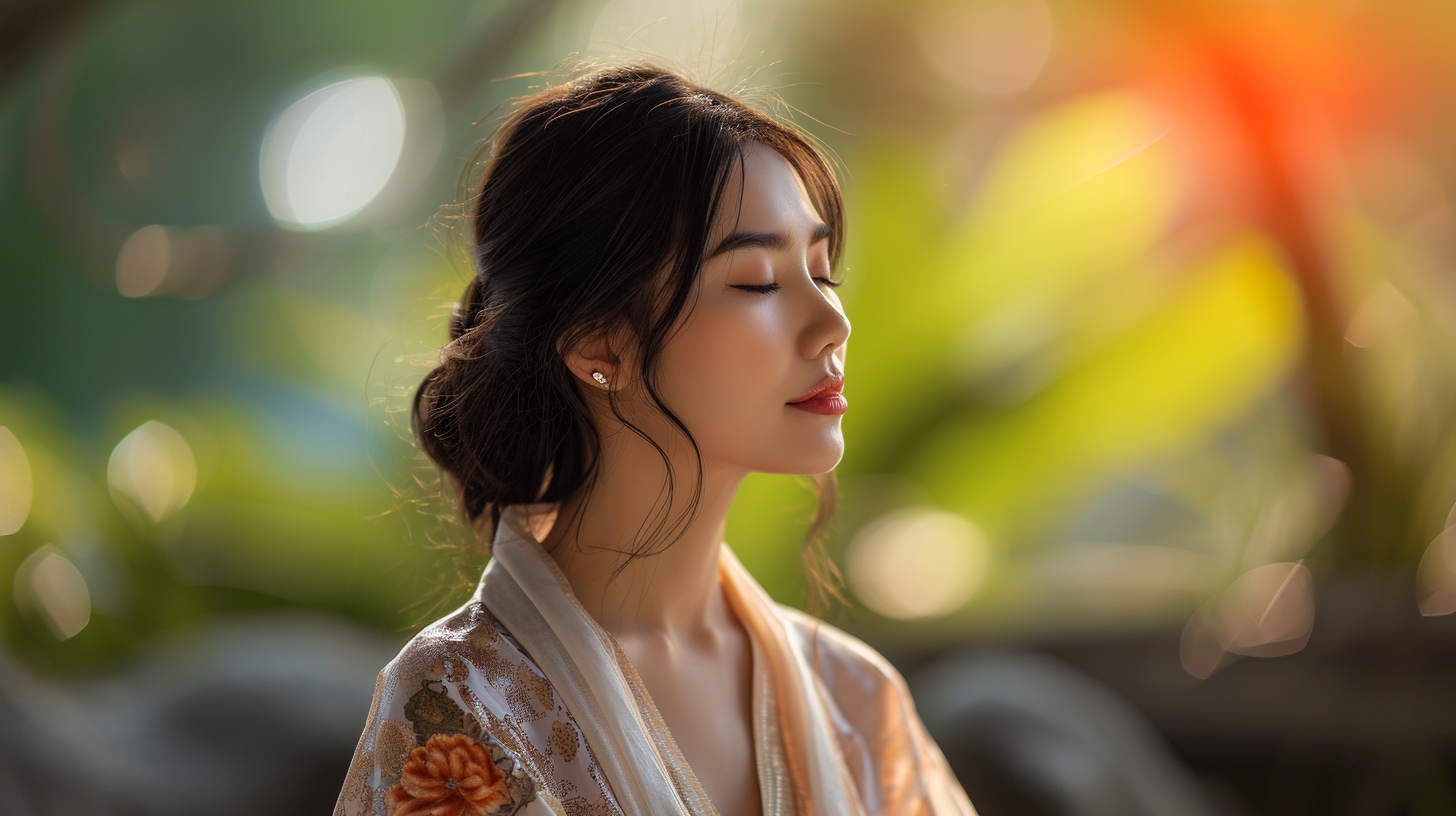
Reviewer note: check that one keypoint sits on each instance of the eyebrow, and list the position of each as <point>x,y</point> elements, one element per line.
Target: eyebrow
<point>768,240</point>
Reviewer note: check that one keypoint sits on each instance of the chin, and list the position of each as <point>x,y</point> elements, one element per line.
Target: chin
<point>818,461</point>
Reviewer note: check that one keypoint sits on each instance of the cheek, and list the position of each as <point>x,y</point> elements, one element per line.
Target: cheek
<point>731,365</point>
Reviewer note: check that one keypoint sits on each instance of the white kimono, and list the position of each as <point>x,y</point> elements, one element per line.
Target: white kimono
<point>519,702</point>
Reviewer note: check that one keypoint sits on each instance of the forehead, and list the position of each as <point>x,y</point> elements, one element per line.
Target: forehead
<point>772,193</point>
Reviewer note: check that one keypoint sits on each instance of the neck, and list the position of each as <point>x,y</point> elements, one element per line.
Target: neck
<point>670,593</point>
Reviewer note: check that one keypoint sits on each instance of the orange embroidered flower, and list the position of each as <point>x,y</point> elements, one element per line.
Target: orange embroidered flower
<point>450,775</point>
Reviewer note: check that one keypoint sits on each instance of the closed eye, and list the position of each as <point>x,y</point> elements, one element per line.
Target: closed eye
<point>765,288</point>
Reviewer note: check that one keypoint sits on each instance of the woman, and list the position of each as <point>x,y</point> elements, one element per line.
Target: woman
<point>653,297</point>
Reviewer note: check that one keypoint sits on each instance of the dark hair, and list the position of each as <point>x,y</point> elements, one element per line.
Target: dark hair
<point>592,214</point>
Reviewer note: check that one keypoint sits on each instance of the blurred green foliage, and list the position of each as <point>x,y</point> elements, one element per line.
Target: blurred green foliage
<point>1063,329</point>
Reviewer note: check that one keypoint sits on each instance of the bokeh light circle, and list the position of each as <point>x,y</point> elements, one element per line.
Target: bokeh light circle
<point>917,563</point>
<point>331,152</point>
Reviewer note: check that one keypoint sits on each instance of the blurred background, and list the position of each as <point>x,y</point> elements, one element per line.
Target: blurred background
<point>1151,462</point>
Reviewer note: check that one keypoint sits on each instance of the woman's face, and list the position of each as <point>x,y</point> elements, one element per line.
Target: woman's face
<point>739,356</point>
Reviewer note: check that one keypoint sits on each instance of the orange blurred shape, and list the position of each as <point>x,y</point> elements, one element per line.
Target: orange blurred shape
<point>1355,72</point>
<point>1249,87</point>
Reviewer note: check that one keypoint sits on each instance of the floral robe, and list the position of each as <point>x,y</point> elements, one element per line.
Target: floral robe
<point>464,721</point>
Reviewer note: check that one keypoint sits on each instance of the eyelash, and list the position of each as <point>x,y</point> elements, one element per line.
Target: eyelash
<point>766,288</point>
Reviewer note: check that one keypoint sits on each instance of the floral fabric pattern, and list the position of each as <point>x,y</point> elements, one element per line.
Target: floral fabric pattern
<point>464,723</point>
<point>450,775</point>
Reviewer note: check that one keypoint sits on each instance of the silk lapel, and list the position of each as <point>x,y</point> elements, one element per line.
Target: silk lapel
<point>526,591</point>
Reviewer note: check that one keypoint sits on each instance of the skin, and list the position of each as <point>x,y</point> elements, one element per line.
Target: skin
<point>728,372</point>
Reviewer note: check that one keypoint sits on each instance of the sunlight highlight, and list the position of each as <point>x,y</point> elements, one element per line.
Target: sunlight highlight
<point>154,469</point>
<point>1266,612</point>
<point>142,263</point>
<point>917,563</point>
<point>705,36</point>
<point>995,47</point>
<point>17,486</point>
<point>331,152</point>
<point>48,585</point>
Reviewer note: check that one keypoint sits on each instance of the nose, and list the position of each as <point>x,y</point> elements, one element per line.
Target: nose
<point>827,330</point>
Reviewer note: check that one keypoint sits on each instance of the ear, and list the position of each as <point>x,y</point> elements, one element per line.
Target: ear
<point>594,353</point>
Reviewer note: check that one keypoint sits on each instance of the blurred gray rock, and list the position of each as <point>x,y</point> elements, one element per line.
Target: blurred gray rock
<point>244,715</point>
<point>1030,736</point>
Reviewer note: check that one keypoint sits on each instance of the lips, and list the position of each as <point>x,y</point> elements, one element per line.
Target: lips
<point>829,385</point>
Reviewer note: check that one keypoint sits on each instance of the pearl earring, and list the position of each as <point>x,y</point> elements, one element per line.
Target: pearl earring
<point>599,377</point>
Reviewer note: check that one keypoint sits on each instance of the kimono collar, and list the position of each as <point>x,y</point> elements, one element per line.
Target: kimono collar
<point>526,590</point>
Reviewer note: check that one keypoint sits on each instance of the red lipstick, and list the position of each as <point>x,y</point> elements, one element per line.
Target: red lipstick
<point>823,398</point>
